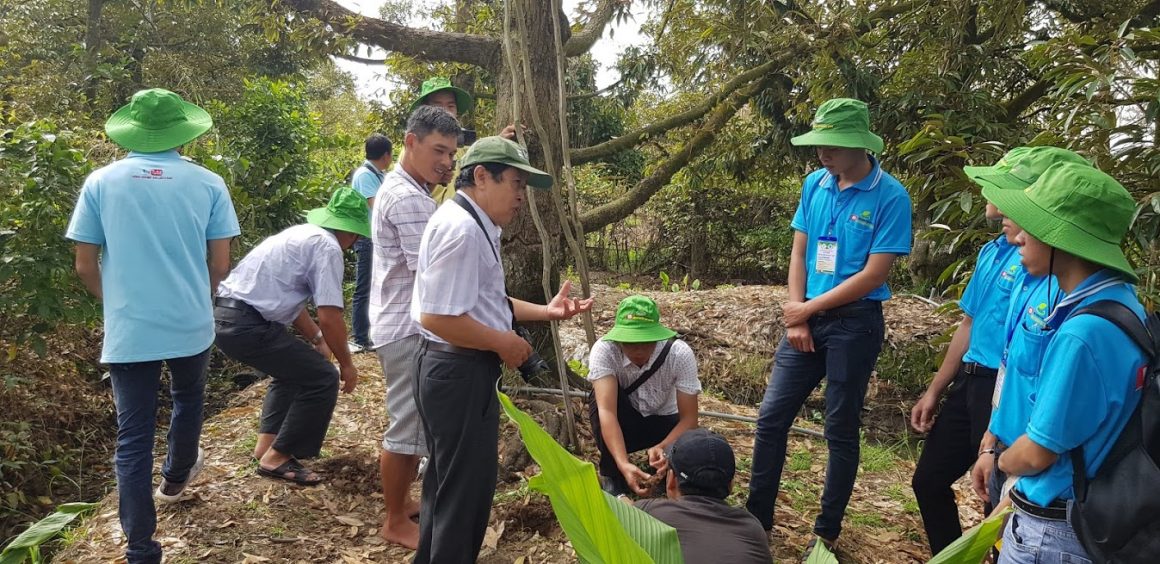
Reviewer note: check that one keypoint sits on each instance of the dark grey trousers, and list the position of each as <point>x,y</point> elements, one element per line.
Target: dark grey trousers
<point>460,413</point>
<point>304,386</point>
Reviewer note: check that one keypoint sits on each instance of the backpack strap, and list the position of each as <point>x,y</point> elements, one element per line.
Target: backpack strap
<point>1125,319</point>
<point>651,370</point>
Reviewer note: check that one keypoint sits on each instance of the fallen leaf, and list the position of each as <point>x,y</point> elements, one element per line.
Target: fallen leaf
<point>349,520</point>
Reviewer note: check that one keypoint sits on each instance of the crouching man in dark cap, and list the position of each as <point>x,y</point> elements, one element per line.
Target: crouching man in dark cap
<point>701,468</point>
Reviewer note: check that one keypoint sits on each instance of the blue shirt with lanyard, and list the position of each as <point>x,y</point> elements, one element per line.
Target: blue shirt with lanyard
<point>1026,336</point>
<point>1088,388</point>
<point>845,227</point>
<point>366,180</point>
<point>987,300</point>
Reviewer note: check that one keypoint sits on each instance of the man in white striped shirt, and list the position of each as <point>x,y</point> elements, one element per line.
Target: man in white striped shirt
<point>402,207</point>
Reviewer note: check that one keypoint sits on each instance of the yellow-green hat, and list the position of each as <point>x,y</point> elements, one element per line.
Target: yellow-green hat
<point>1021,167</point>
<point>841,122</point>
<point>463,100</point>
<point>157,120</point>
<point>496,149</point>
<point>1075,208</point>
<point>638,321</point>
<point>346,211</point>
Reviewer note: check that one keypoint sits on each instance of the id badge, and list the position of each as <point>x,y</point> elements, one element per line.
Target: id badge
<point>827,255</point>
<point>1002,374</point>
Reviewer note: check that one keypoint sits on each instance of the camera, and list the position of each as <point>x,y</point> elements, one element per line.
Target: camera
<point>534,364</point>
<point>466,136</point>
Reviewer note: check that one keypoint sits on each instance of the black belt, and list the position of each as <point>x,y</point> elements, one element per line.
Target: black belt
<point>852,309</point>
<point>1056,511</point>
<point>234,304</point>
<point>976,369</point>
<point>462,351</point>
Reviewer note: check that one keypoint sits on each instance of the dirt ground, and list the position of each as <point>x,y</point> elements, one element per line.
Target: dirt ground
<point>232,515</point>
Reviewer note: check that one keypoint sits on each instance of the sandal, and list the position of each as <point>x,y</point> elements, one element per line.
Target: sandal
<point>807,556</point>
<point>291,471</point>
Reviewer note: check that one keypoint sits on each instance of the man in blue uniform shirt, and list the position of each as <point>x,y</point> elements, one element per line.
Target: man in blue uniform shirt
<point>366,180</point>
<point>853,220</point>
<point>972,359</point>
<point>1073,219</point>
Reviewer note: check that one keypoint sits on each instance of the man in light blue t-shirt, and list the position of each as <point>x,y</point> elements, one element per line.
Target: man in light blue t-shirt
<point>1073,218</point>
<point>153,237</point>
<point>366,180</point>
<point>853,220</point>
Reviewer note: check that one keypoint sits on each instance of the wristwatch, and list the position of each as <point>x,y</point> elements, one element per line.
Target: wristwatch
<point>317,338</point>
<point>990,451</point>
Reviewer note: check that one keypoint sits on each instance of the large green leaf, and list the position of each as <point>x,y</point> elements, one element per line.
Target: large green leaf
<point>41,531</point>
<point>602,529</point>
<point>972,547</point>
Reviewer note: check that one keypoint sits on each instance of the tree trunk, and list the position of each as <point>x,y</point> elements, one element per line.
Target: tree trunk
<point>535,68</point>
<point>92,48</point>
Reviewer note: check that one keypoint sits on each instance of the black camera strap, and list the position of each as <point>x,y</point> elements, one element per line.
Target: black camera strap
<point>651,370</point>
<point>374,171</point>
<point>463,203</point>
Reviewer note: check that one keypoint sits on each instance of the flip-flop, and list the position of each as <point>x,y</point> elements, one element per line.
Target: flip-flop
<point>291,471</point>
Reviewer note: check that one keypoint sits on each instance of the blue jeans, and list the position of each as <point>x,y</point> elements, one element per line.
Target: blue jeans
<point>360,303</point>
<point>135,394</point>
<point>1028,540</point>
<point>847,341</point>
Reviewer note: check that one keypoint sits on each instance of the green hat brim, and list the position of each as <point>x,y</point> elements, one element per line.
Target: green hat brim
<point>122,129</point>
<point>536,177</point>
<point>650,334</point>
<point>323,218</point>
<point>463,101</point>
<point>1058,233</point>
<point>990,176</point>
<point>846,139</point>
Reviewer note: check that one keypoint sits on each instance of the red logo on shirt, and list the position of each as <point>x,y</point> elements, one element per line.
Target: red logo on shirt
<point>156,172</point>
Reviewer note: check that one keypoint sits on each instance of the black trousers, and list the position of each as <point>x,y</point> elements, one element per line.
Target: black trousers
<point>460,412</point>
<point>951,448</point>
<point>304,386</point>
<point>639,432</point>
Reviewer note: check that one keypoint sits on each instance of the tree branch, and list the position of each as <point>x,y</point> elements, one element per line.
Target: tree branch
<point>581,41</point>
<point>587,95</point>
<point>1019,104</point>
<point>622,207</point>
<point>419,43</point>
<point>633,138</point>
<point>361,60</point>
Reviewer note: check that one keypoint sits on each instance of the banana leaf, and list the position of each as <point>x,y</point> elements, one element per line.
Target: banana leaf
<point>972,547</point>
<point>602,529</point>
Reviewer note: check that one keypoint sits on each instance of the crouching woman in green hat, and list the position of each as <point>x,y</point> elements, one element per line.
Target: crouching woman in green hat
<point>1073,218</point>
<point>267,292</point>
<point>644,394</point>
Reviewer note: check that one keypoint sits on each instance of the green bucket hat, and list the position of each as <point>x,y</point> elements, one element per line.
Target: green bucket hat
<point>1021,167</point>
<point>496,149</point>
<point>156,120</point>
<point>841,122</point>
<point>463,100</point>
<point>346,211</point>
<point>638,321</point>
<point>1074,208</point>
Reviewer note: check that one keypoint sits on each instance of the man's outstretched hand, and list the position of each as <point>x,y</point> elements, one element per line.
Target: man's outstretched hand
<point>564,307</point>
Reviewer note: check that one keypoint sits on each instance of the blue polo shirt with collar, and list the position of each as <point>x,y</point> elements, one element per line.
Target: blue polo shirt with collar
<point>870,217</point>
<point>1087,390</point>
<point>1026,336</point>
<point>152,214</point>
<point>366,179</point>
<point>987,300</point>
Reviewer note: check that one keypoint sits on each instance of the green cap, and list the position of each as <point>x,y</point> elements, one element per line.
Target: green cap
<point>1074,208</point>
<point>156,120</point>
<point>841,122</point>
<point>638,321</point>
<point>463,100</point>
<point>496,149</point>
<point>1021,167</point>
<point>346,211</point>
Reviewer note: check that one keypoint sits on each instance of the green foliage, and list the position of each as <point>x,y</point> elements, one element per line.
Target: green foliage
<point>670,286</point>
<point>26,546</point>
<point>262,147</point>
<point>41,171</point>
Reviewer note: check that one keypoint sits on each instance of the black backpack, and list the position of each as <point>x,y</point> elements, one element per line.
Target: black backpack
<point>1116,514</point>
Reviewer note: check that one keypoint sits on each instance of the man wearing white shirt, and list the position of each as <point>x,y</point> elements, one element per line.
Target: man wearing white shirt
<point>466,317</point>
<point>402,206</point>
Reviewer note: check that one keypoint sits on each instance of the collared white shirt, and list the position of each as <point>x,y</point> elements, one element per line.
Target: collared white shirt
<point>458,271</point>
<point>402,209</point>
<point>301,263</point>
<point>657,396</point>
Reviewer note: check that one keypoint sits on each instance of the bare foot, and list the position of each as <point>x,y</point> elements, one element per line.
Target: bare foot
<point>403,532</point>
